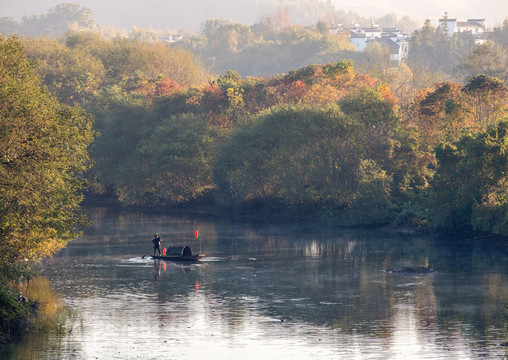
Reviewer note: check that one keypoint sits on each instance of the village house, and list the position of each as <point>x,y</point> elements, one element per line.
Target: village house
<point>475,27</point>
<point>391,38</point>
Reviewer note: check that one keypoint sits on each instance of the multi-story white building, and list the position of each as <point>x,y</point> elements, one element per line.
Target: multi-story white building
<point>391,38</point>
<point>473,26</point>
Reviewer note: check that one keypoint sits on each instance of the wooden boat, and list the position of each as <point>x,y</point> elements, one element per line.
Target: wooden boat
<point>178,253</point>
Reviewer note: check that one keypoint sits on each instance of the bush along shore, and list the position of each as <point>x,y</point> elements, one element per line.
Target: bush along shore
<point>17,314</point>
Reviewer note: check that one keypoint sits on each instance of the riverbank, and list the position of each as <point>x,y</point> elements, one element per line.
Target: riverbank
<point>17,313</point>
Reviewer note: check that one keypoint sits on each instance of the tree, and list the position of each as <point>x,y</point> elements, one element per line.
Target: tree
<point>71,74</point>
<point>500,33</point>
<point>43,154</point>
<point>157,59</point>
<point>488,99</point>
<point>277,21</point>
<point>405,24</point>
<point>317,161</point>
<point>124,120</point>
<point>437,50</point>
<point>441,114</point>
<point>172,165</point>
<point>486,59</point>
<point>56,22</point>
<point>125,59</point>
<point>472,177</point>
<point>373,204</point>
<point>8,26</point>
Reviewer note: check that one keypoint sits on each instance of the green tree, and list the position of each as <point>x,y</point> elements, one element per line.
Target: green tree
<point>154,59</point>
<point>472,177</point>
<point>486,59</point>
<point>72,75</point>
<point>373,204</point>
<point>172,165</point>
<point>126,61</point>
<point>500,33</point>
<point>264,48</point>
<point>123,121</point>
<point>309,161</point>
<point>434,48</point>
<point>43,154</point>
<point>55,22</point>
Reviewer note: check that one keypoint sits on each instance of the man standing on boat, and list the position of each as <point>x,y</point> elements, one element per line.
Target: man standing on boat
<point>156,243</point>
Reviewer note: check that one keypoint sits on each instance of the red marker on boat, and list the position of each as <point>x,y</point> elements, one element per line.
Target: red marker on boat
<point>196,233</point>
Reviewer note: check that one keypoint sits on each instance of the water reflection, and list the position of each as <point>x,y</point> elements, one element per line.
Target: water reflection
<point>280,290</point>
<point>52,330</point>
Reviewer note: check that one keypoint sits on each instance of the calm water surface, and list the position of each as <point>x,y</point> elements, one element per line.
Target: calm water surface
<point>268,292</point>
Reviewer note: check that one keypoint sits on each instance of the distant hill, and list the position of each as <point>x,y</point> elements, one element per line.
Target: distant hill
<point>53,17</point>
<point>175,14</point>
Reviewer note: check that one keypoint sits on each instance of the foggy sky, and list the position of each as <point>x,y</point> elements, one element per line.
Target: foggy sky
<point>494,11</point>
<point>188,14</point>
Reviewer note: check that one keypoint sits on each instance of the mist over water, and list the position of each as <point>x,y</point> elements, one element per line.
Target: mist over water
<point>271,290</point>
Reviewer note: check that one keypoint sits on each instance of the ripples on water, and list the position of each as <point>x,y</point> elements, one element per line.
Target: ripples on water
<point>271,293</point>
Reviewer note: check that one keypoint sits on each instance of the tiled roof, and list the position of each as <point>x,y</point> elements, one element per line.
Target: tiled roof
<point>386,41</point>
<point>468,24</point>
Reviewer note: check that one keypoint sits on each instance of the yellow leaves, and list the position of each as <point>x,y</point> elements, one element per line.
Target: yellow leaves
<point>46,144</point>
<point>47,246</point>
<point>235,97</point>
<point>386,92</point>
<point>321,95</point>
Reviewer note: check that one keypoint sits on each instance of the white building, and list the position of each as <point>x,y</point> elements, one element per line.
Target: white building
<point>391,38</point>
<point>473,26</point>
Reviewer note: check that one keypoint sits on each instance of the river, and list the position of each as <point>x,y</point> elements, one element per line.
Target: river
<point>267,291</point>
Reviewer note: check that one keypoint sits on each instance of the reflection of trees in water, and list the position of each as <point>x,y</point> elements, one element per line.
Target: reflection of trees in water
<point>54,326</point>
<point>480,303</point>
<point>340,283</point>
<point>333,279</point>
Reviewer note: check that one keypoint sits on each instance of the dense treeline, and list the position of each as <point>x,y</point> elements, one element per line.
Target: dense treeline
<point>43,155</point>
<point>458,55</point>
<point>322,141</point>
<point>84,64</point>
<point>276,46</point>
<point>275,43</point>
<point>58,20</point>
<point>55,22</point>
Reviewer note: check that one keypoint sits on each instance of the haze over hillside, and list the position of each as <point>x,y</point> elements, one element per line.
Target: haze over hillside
<point>190,14</point>
<point>494,11</point>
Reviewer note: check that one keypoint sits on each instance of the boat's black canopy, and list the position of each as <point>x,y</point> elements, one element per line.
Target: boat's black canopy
<point>178,251</point>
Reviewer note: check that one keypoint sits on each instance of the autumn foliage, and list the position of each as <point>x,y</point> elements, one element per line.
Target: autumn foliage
<point>320,141</point>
